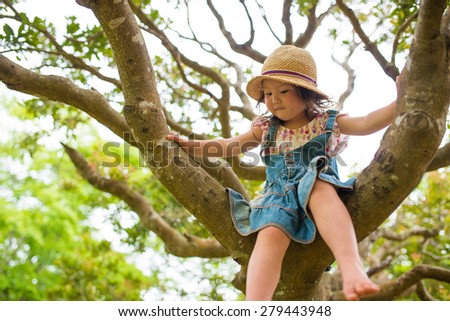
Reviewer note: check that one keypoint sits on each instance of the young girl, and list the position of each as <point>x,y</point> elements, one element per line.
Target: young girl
<point>298,143</point>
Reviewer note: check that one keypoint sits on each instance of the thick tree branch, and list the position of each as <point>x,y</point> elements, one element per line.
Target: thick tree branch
<point>204,197</point>
<point>61,89</point>
<point>404,145</point>
<point>177,244</point>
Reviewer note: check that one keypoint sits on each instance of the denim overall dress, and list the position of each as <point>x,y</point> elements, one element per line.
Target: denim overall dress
<point>290,177</point>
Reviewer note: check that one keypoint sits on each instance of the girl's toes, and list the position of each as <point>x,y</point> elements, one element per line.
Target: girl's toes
<point>350,294</point>
<point>368,288</point>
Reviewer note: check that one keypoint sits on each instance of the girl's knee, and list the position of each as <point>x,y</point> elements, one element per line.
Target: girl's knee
<point>272,236</point>
<point>322,188</point>
<point>272,232</point>
<point>322,191</point>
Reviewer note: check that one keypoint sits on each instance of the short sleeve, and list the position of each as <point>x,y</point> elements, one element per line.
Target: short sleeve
<point>263,123</point>
<point>337,141</point>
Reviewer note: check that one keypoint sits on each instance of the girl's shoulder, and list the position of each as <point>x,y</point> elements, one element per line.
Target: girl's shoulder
<point>326,113</point>
<point>322,116</point>
<point>262,121</point>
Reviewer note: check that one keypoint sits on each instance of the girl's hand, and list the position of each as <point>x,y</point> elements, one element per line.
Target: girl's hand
<point>188,145</point>
<point>177,138</point>
<point>219,147</point>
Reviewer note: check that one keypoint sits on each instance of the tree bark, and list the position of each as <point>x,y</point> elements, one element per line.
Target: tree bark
<point>203,196</point>
<point>411,142</point>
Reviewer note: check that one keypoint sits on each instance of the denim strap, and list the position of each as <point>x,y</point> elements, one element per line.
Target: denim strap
<point>271,135</point>
<point>331,118</point>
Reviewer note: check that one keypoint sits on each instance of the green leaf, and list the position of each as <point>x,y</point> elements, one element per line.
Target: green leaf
<point>9,32</point>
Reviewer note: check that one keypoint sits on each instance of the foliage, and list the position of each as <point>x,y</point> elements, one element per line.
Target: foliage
<point>48,251</point>
<point>426,212</point>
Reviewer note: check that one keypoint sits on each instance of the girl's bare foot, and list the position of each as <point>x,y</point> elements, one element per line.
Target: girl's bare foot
<point>357,284</point>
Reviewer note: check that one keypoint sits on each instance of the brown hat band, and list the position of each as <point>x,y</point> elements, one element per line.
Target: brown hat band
<point>289,73</point>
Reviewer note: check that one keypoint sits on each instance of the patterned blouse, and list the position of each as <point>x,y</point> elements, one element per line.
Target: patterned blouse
<point>289,139</point>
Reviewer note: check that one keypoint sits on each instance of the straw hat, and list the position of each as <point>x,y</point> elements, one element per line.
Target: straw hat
<point>287,64</point>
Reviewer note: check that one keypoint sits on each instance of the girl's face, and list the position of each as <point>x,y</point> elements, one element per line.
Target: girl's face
<point>284,102</point>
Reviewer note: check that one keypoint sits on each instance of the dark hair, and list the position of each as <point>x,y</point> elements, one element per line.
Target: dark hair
<point>314,102</point>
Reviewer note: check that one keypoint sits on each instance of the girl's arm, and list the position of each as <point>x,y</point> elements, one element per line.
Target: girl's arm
<point>368,124</point>
<point>220,147</point>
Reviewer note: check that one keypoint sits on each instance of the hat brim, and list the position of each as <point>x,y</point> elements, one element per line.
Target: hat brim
<point>254,86</point>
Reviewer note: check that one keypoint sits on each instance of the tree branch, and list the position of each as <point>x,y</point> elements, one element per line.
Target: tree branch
<point>423,293</point>
<point>426,233</point>
<point>404,146</point>
<point>247,109</point>
<point>400,30</point>
<point>76,62</point>
<point>388,67</point>
<point>61,89</point>
<point>351,75</point>
<point>380,267</point>
<point>180,245</point>
<point>264,17</point>
<point>441,159</point>
<point>203,196</point>
<point>286,20</point>
<point>394,289</point>
<point>245,48</point>
<point>222,102</point>
<point>313,23</point>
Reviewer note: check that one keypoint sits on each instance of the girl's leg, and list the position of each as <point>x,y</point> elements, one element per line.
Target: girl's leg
<point>264,268</point>
<point>336,228</point>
